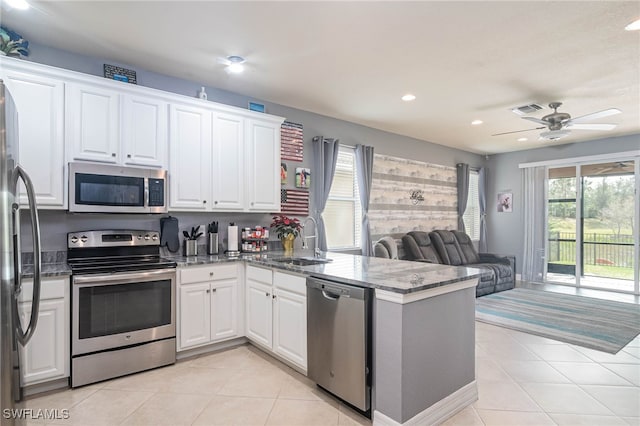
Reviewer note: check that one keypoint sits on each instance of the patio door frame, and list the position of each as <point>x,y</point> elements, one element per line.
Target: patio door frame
<point>578,162</point>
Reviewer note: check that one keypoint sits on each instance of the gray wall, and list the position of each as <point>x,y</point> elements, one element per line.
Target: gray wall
<point>56,224</point>
<point>505,230</point>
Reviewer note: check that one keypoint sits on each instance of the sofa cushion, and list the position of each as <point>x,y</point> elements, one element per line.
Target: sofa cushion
<point>466,246</point>
<point>417,246</point>
<point>386,247</point>
<point>447,247</point>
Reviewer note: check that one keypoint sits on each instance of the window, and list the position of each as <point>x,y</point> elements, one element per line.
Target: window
<point>343,213</point>
<point>471,215</point>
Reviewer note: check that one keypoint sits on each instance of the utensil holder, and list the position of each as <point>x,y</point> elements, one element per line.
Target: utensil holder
<point>212,243</point>
<point>190,247</point>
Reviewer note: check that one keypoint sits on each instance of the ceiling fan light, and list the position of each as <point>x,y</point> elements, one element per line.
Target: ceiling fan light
<point>554,135</point>
<point>235,68</point>
<point>634,26</point>
<point>235,64</point>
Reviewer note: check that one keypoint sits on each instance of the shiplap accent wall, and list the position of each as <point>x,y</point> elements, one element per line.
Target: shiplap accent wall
<point>391,212</point>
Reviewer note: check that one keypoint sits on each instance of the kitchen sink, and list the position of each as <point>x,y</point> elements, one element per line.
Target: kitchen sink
<point>302,261</point>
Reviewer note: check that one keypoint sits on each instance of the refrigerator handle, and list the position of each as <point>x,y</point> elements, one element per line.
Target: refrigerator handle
<point>24,336</point>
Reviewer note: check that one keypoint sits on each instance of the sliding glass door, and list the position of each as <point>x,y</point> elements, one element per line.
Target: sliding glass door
<point>592,225</point>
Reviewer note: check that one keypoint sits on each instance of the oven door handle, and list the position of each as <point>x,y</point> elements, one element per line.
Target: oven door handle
<point>120,277</point>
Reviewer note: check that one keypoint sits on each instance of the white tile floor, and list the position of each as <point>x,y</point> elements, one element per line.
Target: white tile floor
<point>522,380</point>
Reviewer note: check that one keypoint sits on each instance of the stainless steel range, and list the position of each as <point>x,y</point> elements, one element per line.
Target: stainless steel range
<point>123,316</point>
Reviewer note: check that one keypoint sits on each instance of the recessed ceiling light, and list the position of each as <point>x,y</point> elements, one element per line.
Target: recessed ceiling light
<point>477,122</point>
<point>18,4</point>
<point>522,139</point>
<point>235,64</point>
<point>409,97</point>
<point>634,26</point>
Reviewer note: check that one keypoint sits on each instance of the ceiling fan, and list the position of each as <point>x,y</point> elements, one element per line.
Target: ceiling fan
<point>560,124</point>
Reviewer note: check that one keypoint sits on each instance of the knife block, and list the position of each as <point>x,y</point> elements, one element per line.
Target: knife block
<point>212,243</point>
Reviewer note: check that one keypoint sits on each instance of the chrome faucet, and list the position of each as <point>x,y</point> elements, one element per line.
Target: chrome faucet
<point>316,250</point>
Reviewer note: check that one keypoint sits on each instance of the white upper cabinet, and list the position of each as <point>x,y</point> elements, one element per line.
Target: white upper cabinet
<point>93,122</point>
<point>227,174</point>
<point>190,153</point>
<point>144,131</point>
<point>41,132</point>
<point>263,166</point>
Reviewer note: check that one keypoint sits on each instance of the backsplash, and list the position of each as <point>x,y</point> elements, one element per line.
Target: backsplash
<point>54,225</point>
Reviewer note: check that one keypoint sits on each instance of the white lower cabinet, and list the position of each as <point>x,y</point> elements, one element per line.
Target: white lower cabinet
<point>209,306</point>
<point>46,356</point>
<point>276,313</point>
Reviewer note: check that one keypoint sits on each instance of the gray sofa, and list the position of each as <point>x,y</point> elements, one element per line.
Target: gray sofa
<point>455,248</point>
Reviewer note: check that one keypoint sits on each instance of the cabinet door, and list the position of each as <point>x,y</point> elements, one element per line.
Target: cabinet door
<point>290,327</point>
<point>43,358</point>
<point>190,154</point>
<point>144,133</point>
<point>263,166</point>
<point>259,313</point>
<point>93,125</point>
<point>224,309</point>
<point>194,323</point>
<point>40,105</point>
<point>228,168</point>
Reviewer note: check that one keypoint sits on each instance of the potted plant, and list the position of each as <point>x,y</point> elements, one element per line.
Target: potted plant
<point>287,229</point>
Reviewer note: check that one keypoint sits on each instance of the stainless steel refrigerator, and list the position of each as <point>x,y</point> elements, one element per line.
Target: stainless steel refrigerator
<point>12,332</point>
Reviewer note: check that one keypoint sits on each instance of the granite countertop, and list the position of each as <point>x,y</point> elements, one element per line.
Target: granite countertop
<point>47,270</point>
<point>398,276</point>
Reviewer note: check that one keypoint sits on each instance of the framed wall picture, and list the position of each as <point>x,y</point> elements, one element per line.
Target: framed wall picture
<point>120,74</point>
<point>283,173</point>
<point>303,177</point>
<point>505,202</point>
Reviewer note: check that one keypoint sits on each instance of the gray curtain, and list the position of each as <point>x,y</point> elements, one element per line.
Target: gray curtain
<point>325,157</point>
<point>364,171</point>
<point>533,211</point>
<point>482,201</point>
<point>462,174</point>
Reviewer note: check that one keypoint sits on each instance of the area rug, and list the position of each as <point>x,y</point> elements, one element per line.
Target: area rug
<point>584,321</point>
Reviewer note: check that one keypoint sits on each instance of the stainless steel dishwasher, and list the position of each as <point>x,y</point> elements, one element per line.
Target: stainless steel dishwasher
<point>339,340</point>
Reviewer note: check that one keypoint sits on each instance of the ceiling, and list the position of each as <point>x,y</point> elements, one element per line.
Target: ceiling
<point>464,61</point>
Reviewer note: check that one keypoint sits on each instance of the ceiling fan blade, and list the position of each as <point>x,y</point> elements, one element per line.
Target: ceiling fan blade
<point>536,120</point>
<point>518,131</point>
<point>572,126</point>
<point>594,115</point>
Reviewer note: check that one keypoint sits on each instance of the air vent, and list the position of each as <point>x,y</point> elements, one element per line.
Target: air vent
<point>526,109</point>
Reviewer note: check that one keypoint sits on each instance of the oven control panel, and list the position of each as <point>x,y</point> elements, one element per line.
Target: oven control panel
<point>112,238</point>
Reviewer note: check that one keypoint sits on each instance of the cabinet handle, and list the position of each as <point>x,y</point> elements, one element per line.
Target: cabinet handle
<point>213,290</point>
<point>204,201</point>
<point>210,274</point>
<point>252,203</point>
<point>113,154</point>
<point>128,155</point>
<point>215,202</point>
<point>267,294</point>
<point>273,297</point>
<point>208,291</point>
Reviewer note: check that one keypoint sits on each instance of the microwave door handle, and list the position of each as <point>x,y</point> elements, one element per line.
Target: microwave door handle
<point>24,336</point>
<point>146,192</point>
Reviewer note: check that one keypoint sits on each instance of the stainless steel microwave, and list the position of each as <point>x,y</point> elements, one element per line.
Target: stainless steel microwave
<point>98,188</point>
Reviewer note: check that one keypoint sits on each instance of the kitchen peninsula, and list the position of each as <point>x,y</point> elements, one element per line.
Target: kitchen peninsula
<point>423,330</point>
